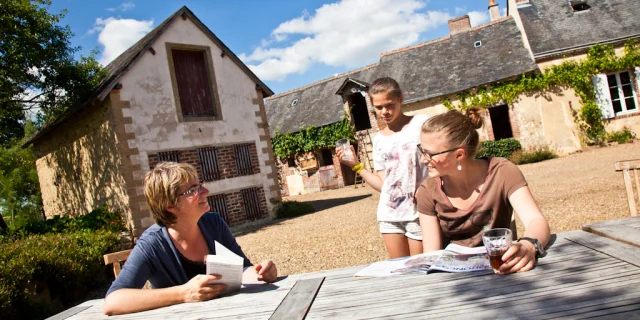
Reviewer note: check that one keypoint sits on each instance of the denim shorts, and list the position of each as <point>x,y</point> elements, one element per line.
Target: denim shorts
<point>411,229</point>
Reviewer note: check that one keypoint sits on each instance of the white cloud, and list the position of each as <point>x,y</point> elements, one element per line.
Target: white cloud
<point>460,10</point>
<point>117,35</point>
<point>477,18</point>
<point>503,12</point>
<point>346,33</point>
<point>123,7</point>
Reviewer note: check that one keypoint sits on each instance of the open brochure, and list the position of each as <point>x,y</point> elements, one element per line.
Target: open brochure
<point>453,258</point>
<point>228,265</point>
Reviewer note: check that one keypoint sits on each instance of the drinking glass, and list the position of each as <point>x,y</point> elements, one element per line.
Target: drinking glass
<point>497,241</point>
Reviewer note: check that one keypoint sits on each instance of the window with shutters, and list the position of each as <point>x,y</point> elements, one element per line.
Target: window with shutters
<point>623,98</point>
<point>193,81</point>
<point>244,165</point>
<point>208,158</point>
<point>172,156</point>
<point>218,204</point>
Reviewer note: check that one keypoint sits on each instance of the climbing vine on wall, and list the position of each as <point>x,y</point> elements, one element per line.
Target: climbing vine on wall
<point>575,74</point>
<point>311,138</point>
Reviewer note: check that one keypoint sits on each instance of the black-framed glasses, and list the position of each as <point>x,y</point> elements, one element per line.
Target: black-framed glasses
<point>430,156</point>
<point>193,191</point>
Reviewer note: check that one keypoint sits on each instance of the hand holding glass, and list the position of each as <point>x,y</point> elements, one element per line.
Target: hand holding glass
<point>497,241</point>
<point>346,149</point>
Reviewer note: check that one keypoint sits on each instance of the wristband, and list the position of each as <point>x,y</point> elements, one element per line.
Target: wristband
<point>357,168</point>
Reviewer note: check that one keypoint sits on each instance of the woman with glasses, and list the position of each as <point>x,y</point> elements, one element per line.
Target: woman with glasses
<point>398,170</point>
<point>171,254</point>
<point>466,195</point>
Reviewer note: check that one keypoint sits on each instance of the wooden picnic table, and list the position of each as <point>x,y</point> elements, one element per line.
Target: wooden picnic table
<point>583,275</point>
<point>625,230</point>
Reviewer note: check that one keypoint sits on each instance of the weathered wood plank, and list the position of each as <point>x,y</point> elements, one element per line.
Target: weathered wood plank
<point>616,249</point>
<point>632,222</point>
<point>622,233</point>
<point>467,301</point>
<point>455,293</point>
<point>298,301</point>
<point>68,313</point>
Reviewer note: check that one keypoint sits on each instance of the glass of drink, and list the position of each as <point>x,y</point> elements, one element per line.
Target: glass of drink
<point>346,149</point>
<point>497,241</point>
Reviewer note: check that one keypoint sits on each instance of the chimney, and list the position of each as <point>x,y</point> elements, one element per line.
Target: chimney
<point>494,11</point>
<point>459,24</point>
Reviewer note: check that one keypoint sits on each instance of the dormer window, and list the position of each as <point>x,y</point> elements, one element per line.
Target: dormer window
<point>579,5</point>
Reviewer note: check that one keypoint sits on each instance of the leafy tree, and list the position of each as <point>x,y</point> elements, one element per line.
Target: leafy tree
<point>38,71</point>
<point>39,79</point>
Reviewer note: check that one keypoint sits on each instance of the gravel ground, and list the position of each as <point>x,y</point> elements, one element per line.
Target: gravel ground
<point>571,191</point>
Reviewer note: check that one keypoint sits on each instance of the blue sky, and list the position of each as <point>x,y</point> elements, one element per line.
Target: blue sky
<point>287,43</point>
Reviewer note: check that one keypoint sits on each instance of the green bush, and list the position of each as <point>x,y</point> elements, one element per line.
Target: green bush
<point>501,148</point>
<point>533,155</point>
<point>290,209</point>
<point>98,219</point>
<point>41,275</point>
<point>621,136</point>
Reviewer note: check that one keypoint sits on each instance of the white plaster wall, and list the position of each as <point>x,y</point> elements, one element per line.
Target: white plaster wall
<point>148,88</point>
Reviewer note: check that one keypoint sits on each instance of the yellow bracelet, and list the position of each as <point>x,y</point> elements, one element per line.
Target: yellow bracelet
<point>357,168</point>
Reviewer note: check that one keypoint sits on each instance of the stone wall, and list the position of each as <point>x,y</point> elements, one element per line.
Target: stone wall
<point>80,167</point>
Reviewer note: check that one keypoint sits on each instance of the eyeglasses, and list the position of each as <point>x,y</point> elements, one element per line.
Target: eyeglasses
<point>430,156</point>
<point>194,191</point>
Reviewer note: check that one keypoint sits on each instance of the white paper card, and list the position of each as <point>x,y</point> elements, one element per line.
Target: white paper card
<point>228,265</point>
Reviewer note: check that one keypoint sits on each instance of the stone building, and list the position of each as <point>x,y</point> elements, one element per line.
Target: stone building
<point>178,94</point>
<point>534,35</point>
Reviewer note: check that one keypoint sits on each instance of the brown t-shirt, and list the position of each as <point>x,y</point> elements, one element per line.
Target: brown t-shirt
<point>491,210</point>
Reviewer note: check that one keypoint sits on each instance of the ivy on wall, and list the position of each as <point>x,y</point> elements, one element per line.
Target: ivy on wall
<point>575,74</point>
<point>311,138</point>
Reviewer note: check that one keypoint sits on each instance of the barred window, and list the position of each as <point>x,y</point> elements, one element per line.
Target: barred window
<point>173,156</point>
<point>251,202</point>
<point>243,159</point>
<point>209,164</point>
<point>218,203</point>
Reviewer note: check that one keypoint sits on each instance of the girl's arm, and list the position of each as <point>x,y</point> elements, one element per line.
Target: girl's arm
<point>375,180</point>
<point>535,224</point>
<point>522,254</point>
<point>431,238</point>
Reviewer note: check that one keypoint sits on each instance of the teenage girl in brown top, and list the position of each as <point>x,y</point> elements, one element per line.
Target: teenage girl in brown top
<point>464,196</point>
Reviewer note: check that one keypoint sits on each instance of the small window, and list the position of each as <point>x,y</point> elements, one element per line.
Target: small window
<point>290,162</point>
<point>327,158</point>
<point>209,164</point>
<point>218,204</point>
<point>244,165</point>
<point>171,156</point>
<point>251,200</point>
<point>194,85</point>
<point>477,44</point>
<point>622,92</point>
<point>294,102</point>
<point>579,5</point>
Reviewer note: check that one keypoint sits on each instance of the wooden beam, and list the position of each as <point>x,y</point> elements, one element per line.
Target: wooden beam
<point>298,301</point>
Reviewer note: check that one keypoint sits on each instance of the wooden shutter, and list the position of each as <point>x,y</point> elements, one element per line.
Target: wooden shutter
<point>193,83</point>
<point>603,97</point>
<point>208,158</point>
<point>218,204</point>
<point>251,203</point>
<point>173,156</point>
<point>243,159</point>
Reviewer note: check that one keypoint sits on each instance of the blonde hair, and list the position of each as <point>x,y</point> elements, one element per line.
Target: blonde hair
<point>386,85</point>
<point>459,130</point>
<point>161,188</point>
